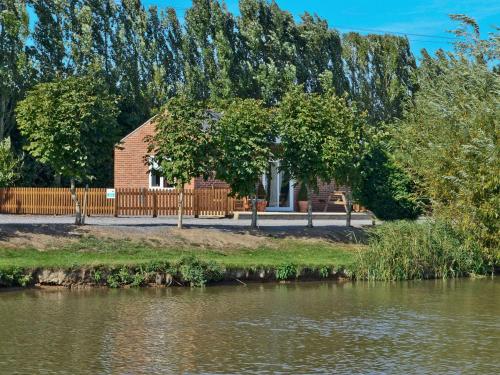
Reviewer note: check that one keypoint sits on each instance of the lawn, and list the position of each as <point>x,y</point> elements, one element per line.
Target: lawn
<point>91,252</point>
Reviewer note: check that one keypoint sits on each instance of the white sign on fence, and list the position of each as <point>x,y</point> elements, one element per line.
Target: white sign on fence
<point>110,193</point>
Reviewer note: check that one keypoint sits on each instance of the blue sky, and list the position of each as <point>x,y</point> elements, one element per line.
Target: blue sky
<point>428,18</point>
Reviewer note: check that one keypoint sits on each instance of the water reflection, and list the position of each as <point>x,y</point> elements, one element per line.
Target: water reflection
<point>420,327</point>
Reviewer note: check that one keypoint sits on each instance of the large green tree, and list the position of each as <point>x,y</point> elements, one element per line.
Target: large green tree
<point>449,139</point>
<point>345,144</point>
<point>14,60</point>
<point>244,137</point>
<point>48,37</point>
<point>303,125</point>
<point>181,146</point>
<point>70,125</point>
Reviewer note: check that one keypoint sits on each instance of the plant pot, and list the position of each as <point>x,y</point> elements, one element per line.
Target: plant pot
<point>261,205</point>
<point>302,206</point>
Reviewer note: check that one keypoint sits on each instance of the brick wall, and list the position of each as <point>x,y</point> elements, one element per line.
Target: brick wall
<point>130,169</point>
<point>320,198</point>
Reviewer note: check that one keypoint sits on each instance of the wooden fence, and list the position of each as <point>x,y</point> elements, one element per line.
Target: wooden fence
<point>127,202</point>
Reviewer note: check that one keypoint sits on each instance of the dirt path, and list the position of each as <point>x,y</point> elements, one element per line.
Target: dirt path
<point>53,232</point>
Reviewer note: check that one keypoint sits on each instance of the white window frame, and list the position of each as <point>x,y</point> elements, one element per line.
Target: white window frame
<point>154,166</point>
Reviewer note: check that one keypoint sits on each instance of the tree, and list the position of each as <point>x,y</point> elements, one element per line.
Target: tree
<point>9,164</point>
<point>385,188</point>
<point>303,125</point>
<point>319,50</point>
<point>181,147</point>
<point>14,60</point>
<point>243,138</point>
<point>48,37</point>
<point>449,139</point>
<point>345,144</point>
<point>269,48</point>
<point>70,125</point>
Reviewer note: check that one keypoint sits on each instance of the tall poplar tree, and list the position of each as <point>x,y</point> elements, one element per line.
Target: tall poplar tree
<point>14,60</point>
<point>49,40</point>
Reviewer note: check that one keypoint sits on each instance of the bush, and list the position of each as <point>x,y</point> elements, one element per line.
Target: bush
<point>385,189</point>
<point>15,277</point>
<point>197,272</point>
<point>404,250</point>
<point>286,271</point>
<point>302,196</point>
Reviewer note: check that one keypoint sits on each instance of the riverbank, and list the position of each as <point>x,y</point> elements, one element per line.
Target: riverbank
<point>157,256</point>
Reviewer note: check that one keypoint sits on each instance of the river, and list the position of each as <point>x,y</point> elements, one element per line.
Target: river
<point>412,327</point>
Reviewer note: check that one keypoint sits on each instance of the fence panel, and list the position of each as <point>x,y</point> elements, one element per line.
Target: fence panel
<point>127,202</point>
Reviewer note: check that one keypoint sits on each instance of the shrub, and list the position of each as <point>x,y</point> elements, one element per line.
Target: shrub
<point>404,250</point>
<point>286,271</point>
<point>302,195</point>
<point>15,277</point>
<point>385,189</point>
<point>197,272</point>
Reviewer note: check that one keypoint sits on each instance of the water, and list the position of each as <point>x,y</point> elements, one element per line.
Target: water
<point>418,327</point>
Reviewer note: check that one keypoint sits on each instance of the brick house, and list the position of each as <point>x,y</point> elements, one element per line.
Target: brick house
<point>131,171</point>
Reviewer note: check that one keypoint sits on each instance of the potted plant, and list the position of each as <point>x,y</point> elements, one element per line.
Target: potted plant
<point>302,198</point>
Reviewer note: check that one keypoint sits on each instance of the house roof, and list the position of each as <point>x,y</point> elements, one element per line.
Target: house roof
<point>138,128</point>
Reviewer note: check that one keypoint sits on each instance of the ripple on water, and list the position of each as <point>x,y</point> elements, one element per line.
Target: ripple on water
<point>425,327</point>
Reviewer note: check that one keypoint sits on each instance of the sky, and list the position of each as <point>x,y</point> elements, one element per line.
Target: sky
<point>429,19</point>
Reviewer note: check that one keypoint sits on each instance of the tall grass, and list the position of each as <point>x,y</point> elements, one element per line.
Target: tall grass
<point>405,250</point>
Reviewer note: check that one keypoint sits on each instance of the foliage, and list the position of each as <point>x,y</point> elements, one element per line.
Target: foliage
<point>286,271</point>
<point>381,74</point>
<point>70,124</point>
<point>303,125</point>
<point>243,140</point>
<point>147,56</point>
<point>403,250</point>
<point>15,66</point>
<point>449,140</point>
<point>324,272</point>
<point>182,143</point>
<point>302,195</point>
<point>346,142</point>
<point>15,276</point>
<point>198,272</point>
<point>385,189</point>
<point>9,164</point>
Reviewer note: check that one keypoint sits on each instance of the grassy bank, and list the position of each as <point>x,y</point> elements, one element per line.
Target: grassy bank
<point>116,262</point>
<point>406,250</point>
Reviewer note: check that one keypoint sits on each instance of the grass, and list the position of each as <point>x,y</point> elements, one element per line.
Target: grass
<point>404,250</point>
<point>92,252</point>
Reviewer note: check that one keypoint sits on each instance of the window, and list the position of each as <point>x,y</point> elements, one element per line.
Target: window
<point>156,180</point>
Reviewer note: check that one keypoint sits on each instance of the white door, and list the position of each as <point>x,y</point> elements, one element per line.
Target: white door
<point>280,186</point>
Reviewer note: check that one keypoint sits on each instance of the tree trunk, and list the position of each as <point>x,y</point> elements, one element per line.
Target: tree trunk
<point>85,196</point>
<point>181,208</point>
<point>348,196</point>
<point>253,225</point>
<point>74,197</point>
<point>309,207</point>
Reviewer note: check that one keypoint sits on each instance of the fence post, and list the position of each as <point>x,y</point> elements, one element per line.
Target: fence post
<point>116,204</point>
<point>155,204</point>
<point>143,202</point>
<point>195,203</point>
